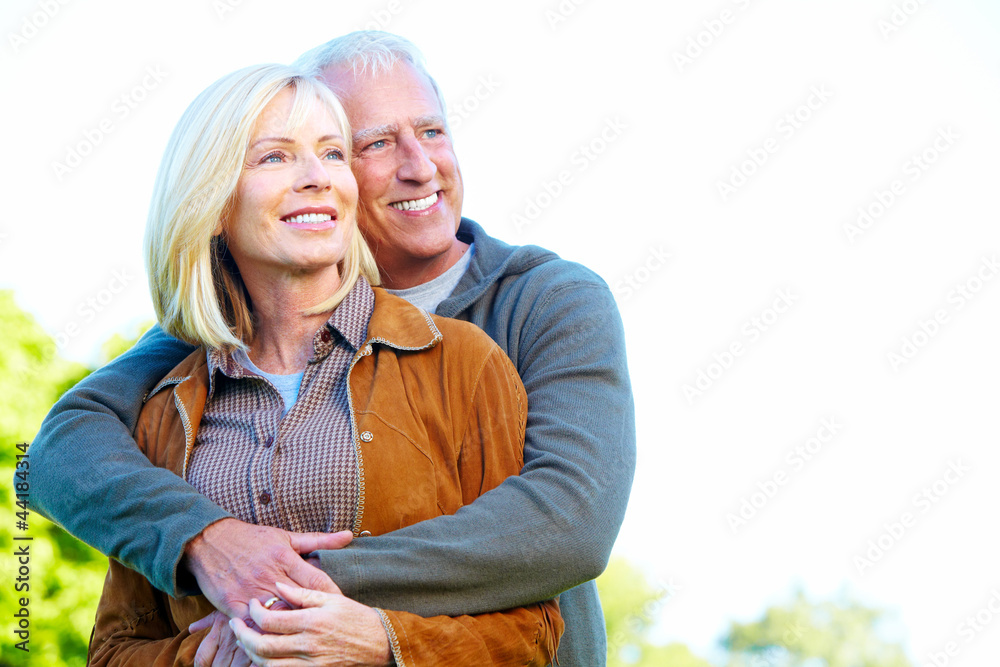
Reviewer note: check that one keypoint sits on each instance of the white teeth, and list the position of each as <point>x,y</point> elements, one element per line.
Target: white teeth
<point>415,204</point>
<point>310,218</point>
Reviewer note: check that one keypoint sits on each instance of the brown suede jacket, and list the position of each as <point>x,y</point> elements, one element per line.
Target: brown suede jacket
<point>438,416</point>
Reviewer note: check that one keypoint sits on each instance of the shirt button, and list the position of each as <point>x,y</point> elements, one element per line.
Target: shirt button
<point>269,441</point>
<point>364,533</point>
<point>324,335</point>
<point>265,498</point>
<point>367,436</point>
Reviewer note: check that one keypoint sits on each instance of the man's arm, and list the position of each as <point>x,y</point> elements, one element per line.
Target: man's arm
<point>93,480</point>
<point>552,527</point>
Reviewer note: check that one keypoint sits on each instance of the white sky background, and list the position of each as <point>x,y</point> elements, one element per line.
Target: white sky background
<point>673,133</point>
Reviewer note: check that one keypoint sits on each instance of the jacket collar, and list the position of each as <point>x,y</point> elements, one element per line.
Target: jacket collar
<point>395,322</point>
<point>399,324</point>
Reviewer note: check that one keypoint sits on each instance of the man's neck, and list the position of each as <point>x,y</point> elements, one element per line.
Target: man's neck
<point>412,272</point>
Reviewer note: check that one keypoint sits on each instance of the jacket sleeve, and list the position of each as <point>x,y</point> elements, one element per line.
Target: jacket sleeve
<point>523,636</point>
<point>491,449</point>
<point>134,627</point>
<point>552,527</point>
<point>87,436</point>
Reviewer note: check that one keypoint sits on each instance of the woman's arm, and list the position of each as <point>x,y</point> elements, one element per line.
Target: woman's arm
<point>333,630</point>
<point>523,636</point>
<point>134,626</point>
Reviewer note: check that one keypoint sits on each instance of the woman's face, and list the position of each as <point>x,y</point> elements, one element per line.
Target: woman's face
<point>296,200</point>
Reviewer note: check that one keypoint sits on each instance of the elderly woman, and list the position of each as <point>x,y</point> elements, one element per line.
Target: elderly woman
<point>316,402</point>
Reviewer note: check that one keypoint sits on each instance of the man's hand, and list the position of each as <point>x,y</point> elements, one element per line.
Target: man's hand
<point>235,562</point>
<point>324,628</point>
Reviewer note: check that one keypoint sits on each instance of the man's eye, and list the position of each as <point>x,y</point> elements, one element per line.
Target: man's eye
<point>377,144</point>
<point>431,134</point>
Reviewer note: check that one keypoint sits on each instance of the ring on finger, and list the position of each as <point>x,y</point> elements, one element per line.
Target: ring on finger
<point>270,603</point>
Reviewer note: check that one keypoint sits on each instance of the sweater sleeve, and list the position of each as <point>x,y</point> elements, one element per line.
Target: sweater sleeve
<point>138,514</point>
<point>553,526</point>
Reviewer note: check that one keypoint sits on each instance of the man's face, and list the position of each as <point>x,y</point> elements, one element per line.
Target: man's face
<point>409,183</point>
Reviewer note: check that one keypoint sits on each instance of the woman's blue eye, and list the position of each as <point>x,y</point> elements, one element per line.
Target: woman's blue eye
<point>336,154</point>
<point>273,157</point>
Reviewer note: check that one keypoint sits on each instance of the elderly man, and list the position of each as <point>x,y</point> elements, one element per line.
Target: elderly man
<point>545,533</point>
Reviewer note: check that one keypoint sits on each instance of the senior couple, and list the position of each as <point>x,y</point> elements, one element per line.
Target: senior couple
<point>297,394</point>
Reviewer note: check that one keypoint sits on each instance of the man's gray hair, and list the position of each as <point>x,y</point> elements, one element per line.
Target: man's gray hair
<point>366,51</point>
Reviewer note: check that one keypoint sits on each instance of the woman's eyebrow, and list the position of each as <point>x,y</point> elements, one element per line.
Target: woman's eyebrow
<point>277,140</point>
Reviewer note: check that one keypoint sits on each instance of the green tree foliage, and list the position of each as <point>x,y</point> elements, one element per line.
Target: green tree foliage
<point>65,576</point>
<point>807,634</point>
<point>799,634</point>
<point>631,606</point>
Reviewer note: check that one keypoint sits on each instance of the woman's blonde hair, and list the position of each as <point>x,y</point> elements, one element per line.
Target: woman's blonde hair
<point>196,287</point>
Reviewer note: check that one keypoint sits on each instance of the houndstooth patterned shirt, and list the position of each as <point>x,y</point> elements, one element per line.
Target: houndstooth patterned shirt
<point>298,472</point>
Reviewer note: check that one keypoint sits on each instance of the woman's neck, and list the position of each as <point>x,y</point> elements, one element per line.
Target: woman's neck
<point>283,334</point>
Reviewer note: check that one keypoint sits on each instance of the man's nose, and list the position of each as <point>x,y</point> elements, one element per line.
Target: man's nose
<point>415,164</point>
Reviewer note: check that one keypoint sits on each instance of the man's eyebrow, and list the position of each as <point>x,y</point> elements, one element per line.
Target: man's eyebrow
<point>431,119</point>
<point>361,137</point>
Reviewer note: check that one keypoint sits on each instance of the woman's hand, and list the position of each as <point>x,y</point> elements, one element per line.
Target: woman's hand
<point>218,648</point>
<point>322,629</point>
